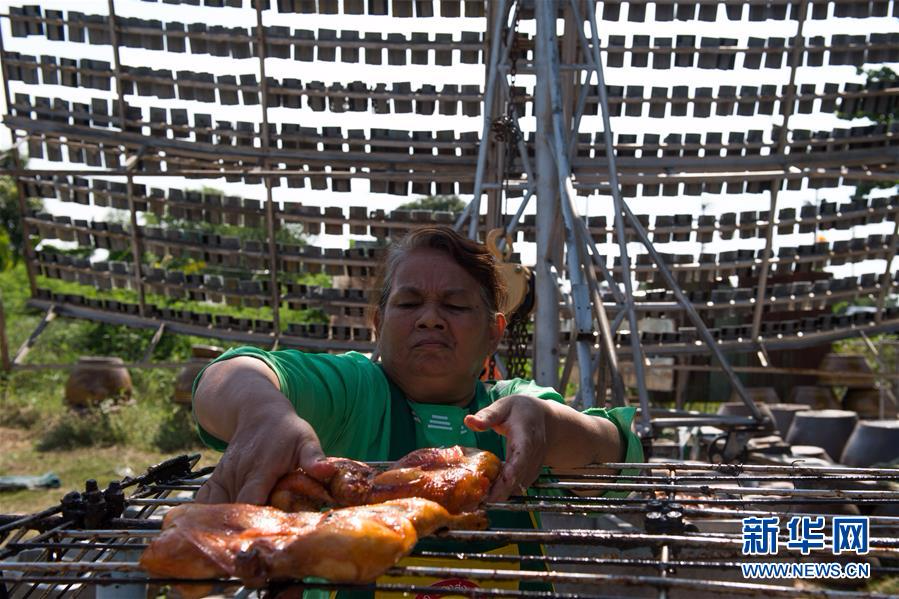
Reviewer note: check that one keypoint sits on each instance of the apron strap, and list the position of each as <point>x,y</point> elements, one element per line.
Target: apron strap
<point>402,425</point>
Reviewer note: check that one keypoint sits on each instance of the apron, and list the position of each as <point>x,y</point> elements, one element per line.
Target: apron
<point>406,430</point>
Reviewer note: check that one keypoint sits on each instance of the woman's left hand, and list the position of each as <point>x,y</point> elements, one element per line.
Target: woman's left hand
<point>523,421</point>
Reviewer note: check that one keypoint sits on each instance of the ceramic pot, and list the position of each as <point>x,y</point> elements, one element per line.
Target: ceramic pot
<point>759,395</point>
<point>815,397</point>
<point>200,357</point>
<point>828,429</point>
<point>783,415</point>
<point>738,408</point>
<point>866,403</point>
<point>872,442</point>
<point>95,379</point>
<point>839,365</point>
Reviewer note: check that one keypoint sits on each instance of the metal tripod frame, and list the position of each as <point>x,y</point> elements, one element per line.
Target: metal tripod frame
<point>554,145</point>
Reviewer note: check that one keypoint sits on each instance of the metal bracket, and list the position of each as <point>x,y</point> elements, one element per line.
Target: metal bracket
<point>23,350</point>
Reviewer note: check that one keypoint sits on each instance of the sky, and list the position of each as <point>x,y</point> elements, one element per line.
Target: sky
<point>462,74</point>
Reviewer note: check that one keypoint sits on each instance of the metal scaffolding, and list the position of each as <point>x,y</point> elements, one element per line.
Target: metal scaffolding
<point>588,307</point>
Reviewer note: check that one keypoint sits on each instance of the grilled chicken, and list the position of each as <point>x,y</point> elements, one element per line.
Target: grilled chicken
<point>457,478</point>
<point>253,543</point>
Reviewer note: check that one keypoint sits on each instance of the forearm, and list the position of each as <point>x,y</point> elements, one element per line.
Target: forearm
<point>575,440</point>
<point>237,389</point>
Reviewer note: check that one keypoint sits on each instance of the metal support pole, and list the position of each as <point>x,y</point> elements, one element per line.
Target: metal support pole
<point>787,104</point>
<point>269,201</point>
<point>473,209</point>
<point>4,342</point>
<point>636,350</point>
<point>886,281</point>
<point>496,148</point>
<point>136,253</point>
<point>27,250</point>
<point>701,329</point>
<point>583,282</point>
<point>546,319</point>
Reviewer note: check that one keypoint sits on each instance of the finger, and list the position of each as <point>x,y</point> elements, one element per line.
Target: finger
<point>256,489</point>
<point>492,416</point>
<point>503,487</point>
<point>212,492</point>
<point>314,462</point>
<point>523,461</point>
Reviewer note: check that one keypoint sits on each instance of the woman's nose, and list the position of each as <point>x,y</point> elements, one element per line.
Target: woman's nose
<point>430,317</point>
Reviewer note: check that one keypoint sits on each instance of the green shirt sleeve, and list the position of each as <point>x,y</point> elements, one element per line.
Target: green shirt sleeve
<point>344,397</point>
<point>622,418</point>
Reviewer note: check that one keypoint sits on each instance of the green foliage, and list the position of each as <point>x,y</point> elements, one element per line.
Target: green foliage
<point>11,218</point>
<point>89,429</point>
<point>33,400</point>
<point>176,432</point>
<point>436,203</point>
<point>875,79</point>
<point>880,78</point>
<point>840,307</point>
<point>7,256</point>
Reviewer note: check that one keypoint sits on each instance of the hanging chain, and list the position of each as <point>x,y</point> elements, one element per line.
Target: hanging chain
<point>517,345</point>
<point>505,127</point>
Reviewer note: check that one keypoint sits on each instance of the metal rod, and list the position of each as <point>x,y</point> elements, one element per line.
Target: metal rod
<point>436,169</point>
<point>22,352</point>
<point>787,109</point>
<point>620,234</point>
<point>136,254</point>
<point>886,281</point>
<point>546,317</point>
<point>584,285</point>
<point>862,376</point>
<point>5,362</point>
<point>472,210</point>
<point>154,341</point>
<point>269,200</point>
<point>724,588</point>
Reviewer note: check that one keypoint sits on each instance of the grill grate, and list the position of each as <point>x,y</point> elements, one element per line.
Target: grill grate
<point>677,534</point>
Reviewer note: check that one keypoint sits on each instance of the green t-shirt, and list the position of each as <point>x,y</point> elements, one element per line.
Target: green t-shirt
<point>359,413</point>
<point>346,398</point>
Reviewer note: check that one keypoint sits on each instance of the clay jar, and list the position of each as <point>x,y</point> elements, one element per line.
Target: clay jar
<point>95,379</point>
<point>758,394</point>
<point>866,402</point>
<point>872,442</point>
<point>841,364</point>
<point>200,357</point>
<point>829,429</point>
<point>815,397</point>
<point>783,415</point>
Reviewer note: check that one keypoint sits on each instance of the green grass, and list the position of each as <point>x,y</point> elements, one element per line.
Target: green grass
<point>39,433</point>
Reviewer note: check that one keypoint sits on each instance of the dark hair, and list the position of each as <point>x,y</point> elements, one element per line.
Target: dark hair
<point>472,256</point>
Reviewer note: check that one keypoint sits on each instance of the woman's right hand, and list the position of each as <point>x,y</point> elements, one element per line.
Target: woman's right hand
<point>264,448</point>
<point>239,401</point>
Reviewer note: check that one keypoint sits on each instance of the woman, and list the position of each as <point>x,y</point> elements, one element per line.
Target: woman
<point>436,321</point>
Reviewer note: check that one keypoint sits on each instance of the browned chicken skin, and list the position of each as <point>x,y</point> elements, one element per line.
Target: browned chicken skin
<point>457,478</point>
<point>254,543</point>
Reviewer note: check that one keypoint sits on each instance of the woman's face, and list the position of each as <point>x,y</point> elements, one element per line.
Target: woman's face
<point>435,331</point>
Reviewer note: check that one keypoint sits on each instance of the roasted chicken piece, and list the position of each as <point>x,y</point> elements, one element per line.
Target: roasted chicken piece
<point>457,478</point>
<point>253,543</point>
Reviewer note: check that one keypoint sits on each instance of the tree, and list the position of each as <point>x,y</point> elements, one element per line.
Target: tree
<point>11,243</point>
<point>882,109</point>
<point>435,203</point>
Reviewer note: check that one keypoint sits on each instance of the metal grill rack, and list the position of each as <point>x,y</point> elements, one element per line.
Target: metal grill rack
<point>677,533</point>
<point>477,124</point>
